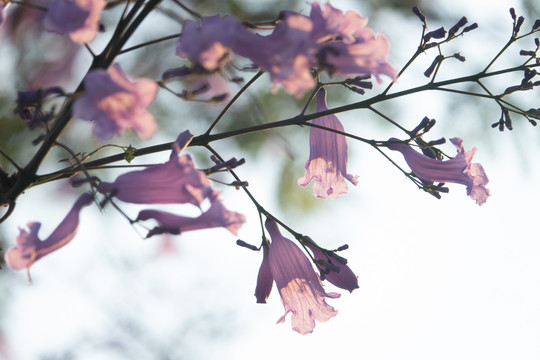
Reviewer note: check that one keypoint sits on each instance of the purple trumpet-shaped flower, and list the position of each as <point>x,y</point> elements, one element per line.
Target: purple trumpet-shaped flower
<point>115,103</point>
<point>30,248</point>
<point>265,279</point>
<point>458,170</point>
<point>328,156</point>
<point>174,182</point>
<point>301,290</point>
<point>334,267</point>
<point>207,42</point>
<point>216,216</point>
<point>76,18</point>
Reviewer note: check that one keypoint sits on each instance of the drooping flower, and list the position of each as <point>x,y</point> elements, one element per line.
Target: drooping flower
<point>115,103</point>
<point>328,156</point>
<point>174,182</point>
<point>301,290</point>
<point>458,170</point>
<point>30,248</point>
<point>335,268</point>
<point>216,216</point>
<point>76,18</point>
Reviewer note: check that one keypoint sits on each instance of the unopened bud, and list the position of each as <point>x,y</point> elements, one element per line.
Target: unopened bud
<point>418,13</point>
<point>454,29</point>
<point>246,245</point>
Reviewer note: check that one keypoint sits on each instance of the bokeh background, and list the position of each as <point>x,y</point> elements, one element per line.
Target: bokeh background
<point>439,279</point>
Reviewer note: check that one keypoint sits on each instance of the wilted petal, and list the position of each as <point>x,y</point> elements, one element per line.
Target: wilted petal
<point>216,216</point>
<point>30,248</point>
<point>174,182</point>
<point>301,290</point>
<point>458,170</point>
<point>115,103</point>
<point>76,18</point>
<point>328,156</point>
<point>339,274</point>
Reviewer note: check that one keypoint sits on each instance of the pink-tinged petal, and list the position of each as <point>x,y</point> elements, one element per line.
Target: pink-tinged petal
<point>328,156</point>
<point>76,18</point>
<point>208,41</point>
<point>30,248</point>
<point>265,279</point>
<point>216,216</point>
<point>175,182</point>
<point>458,170</point>
<point>332,23</point>
<point>301,290</point>
<point>115,103</point>
<point>337,272</point>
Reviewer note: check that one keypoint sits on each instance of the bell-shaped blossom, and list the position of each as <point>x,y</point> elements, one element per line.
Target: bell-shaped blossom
<point>115,103</point>
<point>458,170</point>
<point>334,267</point>
<point>175,182</point>
<point>216,216</point>
<point>328,156</point>
<point>300,288</point>
<point>331,24</point>
<point>76,18</point>
<point>31,248</point>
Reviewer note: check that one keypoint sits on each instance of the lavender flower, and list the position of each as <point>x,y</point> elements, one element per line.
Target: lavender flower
<point>458,170</point>
<point>76,18</point>
<point>336,271</point>
<point>328,156</point>
<point>115,103</point>
<point>301,290</point>
<point>216,216</point>
<point>207,42</point>
<point>265,279</point>
<point>30,248</point>
<point>174,182</point>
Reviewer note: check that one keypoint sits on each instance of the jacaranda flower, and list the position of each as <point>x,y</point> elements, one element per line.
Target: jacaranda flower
<point>334,268</point>
<point>115,103</point>
<point>458,170</point>
<point>30,248</point>
<point>327,40</point>
<point>174,182</point>
<point>207,42</point>
<point>301,290</point>
<point>328,156</point>
<point>76,18</point>
<point>216,216</point>
<point>3,7</point>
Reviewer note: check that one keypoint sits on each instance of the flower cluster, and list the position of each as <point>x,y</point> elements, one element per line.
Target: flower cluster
<point>327,40</point>
<point>299,286</point>
<point>175,182</point>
